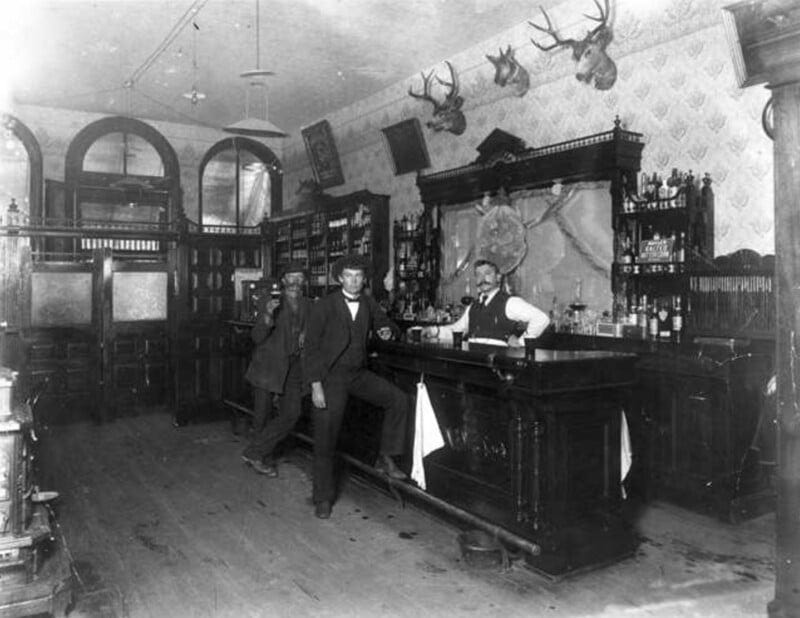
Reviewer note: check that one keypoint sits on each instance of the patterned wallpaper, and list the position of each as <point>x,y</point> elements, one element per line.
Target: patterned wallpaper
<point>675,85</point>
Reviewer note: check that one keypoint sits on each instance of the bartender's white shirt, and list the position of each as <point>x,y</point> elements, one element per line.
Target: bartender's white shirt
<point>517,309</point>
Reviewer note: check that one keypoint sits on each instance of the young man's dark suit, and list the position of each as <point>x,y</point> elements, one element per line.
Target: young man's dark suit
<point>335,354</point>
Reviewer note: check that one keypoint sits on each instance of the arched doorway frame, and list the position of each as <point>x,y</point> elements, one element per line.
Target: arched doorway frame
<point>31,144</point>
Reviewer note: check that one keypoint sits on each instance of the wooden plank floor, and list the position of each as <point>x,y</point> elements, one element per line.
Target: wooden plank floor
<point>165,522</point>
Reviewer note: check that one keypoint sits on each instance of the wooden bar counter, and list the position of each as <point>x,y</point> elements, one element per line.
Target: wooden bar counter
<point>532,444</point>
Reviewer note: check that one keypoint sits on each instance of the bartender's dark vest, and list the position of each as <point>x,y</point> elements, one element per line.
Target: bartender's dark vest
<point>490,320</point>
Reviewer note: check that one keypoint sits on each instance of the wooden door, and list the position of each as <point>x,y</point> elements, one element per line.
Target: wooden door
<point>99,336</point>
<point>136,361</point>
<point>62,335</point>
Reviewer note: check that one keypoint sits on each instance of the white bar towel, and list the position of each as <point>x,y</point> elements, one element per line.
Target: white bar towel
<point>625,451</point>
<point>427,435</point>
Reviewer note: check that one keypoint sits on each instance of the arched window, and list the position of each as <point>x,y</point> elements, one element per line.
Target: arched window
<point>122,170</point>
<point>121,173</point>
<point>20,169</point>
<point>240,185</point>
<point>123,154</point>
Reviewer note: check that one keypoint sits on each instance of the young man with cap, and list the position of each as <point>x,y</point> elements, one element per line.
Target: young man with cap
<point>495,315</point>
<point>275,370</point>
<point>335,357</point>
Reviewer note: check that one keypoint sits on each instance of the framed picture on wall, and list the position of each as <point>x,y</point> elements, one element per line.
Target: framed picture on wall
<point>322,154</point>
<point>406,146</point>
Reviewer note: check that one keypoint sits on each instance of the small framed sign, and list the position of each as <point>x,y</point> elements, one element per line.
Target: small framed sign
<point>406,146</point>
<point>656,250</point>
<point>322,154</point>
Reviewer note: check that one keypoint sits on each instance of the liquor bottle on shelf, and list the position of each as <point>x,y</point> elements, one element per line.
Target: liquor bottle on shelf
<point>680,253</point>
<point>664,314</point>
<point>673,183</point>
<point>632,310</point>
<point>401,261</point>
<point>677,319</point>
<point>627,255</point>
<point>642,319</point>
<point>652,324</point>
<point>647,187</point>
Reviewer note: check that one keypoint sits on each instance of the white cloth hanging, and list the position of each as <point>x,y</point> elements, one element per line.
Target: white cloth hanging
<point>625,451</point>
<point>427,435</point>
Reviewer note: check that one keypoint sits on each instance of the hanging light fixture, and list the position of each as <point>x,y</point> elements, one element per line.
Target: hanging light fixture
<point>257,80</point>
<point>194,95</point>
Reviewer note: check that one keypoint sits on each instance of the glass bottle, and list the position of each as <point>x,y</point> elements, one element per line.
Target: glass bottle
<point>677,319</point>
<point>12,214</point>
<point>633,309</point>
<point>627,252</point>
<point>652,328</point>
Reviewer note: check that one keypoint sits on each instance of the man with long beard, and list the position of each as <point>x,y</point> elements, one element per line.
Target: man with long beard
<point>276,370</point>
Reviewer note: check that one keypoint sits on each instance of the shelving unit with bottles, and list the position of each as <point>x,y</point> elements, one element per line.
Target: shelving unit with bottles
<point>353,223</point>
<point>662,234</point>
<point>415,239</point>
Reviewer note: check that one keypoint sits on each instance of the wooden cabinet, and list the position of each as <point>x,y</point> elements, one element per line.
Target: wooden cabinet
<point>353,223</point>
<point>702,426</point>
<point>713,431</point>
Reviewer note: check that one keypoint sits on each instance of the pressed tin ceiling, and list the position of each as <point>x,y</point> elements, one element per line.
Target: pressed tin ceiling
<point>326,54</point>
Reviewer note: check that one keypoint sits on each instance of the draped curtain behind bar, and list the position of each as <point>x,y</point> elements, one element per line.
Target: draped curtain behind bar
<point>568,238</point>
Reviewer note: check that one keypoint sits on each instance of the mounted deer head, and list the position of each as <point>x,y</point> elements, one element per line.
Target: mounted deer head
<point>447,115</point>
<point>308,187</point>
<point>507,71</point>
<point>590,52</point>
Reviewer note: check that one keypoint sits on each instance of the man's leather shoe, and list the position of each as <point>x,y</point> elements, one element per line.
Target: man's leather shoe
<point>385,465</point>
<point>259,466</point>
<point>322,509</point>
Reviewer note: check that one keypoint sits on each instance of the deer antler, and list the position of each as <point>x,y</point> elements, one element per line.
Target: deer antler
<point>426,89</point>
<point>559,42</point>
<point>603,19</point>
<point>452,98</point>
<point>447,114</point>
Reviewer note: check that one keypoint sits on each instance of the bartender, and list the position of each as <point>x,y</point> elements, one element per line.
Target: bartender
<point>495,315</point>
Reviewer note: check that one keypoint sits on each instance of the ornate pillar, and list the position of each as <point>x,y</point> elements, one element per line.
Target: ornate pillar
<point>786,101</point>
<point>765,39</point>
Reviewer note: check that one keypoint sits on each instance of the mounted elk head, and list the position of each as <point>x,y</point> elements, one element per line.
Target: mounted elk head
<point>507,71</point>
<point>447,115</point>
<point>594,65</point>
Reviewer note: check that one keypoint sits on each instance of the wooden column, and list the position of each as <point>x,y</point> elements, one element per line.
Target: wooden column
<point>764,37</point>
<point>786,100</point>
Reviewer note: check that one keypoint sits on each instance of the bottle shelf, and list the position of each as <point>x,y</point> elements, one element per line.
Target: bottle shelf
<point>660,239</point>
<point>638,207</point>
<point>651,268</point>
<point>356,223</point>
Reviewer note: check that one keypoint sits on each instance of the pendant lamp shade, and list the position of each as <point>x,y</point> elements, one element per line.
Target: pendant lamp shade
<point>257,78</point>
<point>255,127</point>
